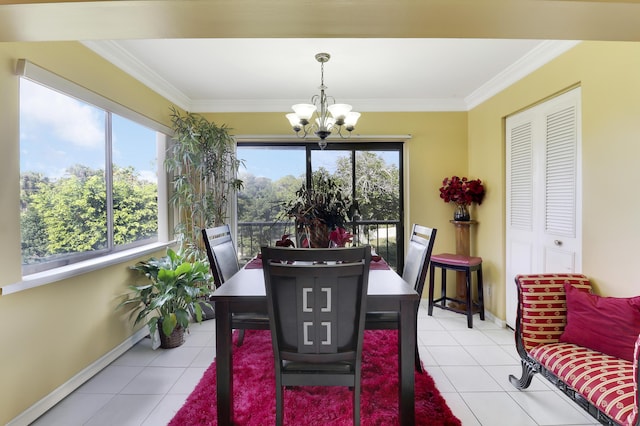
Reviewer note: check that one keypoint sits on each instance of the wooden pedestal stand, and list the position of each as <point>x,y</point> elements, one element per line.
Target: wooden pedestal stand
<point>463,246</point>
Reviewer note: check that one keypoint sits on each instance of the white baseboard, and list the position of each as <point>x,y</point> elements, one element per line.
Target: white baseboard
<point>42,406</point>
<point>489,316</point>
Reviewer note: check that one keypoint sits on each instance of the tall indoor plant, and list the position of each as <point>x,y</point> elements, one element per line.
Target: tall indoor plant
<point>203,164</point>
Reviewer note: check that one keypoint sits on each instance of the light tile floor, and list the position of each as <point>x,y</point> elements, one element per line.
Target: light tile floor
<point>470,367</point>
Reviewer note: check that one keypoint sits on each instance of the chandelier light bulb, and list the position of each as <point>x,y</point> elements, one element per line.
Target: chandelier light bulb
<point>339,112</point>
<point>304,111</point>
<point>350,120</point>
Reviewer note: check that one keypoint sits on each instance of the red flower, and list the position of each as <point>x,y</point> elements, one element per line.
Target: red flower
<point>339,237</point>
<point>285,241</point>
<point>462,190</point>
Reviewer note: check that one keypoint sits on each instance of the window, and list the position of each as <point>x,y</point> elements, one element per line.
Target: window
<point>88,176</point>
<point>370,172</point>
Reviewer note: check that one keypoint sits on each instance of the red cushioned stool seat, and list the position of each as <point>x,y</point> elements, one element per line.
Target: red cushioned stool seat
<point>459,263</point>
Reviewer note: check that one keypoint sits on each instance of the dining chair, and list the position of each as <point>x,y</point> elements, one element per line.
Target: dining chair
<point>416,265</point>
<point>317,303</point>
<point>223,261</point>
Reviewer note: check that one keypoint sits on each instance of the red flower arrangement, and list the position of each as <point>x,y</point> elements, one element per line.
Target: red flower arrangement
<point>462,191</point>
<point>339,237</point>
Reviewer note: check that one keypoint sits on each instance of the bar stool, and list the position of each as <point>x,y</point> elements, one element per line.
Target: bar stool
<point>460,263</point>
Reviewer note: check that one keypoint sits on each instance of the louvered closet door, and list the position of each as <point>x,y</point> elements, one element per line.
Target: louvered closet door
<point>543,192</point>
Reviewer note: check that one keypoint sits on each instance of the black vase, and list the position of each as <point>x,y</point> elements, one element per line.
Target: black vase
<point>461,213</point>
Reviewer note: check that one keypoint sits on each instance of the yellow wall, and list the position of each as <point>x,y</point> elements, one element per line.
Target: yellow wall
<point>59,329</point>
<point>437,148</point>
<point>608,73</point>
<point>51,333</point>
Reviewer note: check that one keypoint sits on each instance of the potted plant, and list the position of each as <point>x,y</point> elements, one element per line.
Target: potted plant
<point>319,210</point>
<point>166,302</point>
<point>462,192</point>
<point>203,164</point>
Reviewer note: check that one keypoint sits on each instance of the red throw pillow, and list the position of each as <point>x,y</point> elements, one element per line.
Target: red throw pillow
<point>610,325</point>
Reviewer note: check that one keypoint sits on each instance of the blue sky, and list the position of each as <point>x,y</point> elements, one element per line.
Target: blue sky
<point>57,131</point>
<point>272,163</point>
<point>275,163</point>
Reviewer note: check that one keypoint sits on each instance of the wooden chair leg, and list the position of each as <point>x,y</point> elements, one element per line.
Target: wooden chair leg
<point>240,336</point>
<point>480,292</point>
<point>432,284</point>
<point>279,403</point>
<point>469,300</point>
<point>444,287</point>
<point>356,403</point>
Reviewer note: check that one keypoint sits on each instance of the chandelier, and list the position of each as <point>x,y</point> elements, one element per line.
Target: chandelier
<point>328,117</point>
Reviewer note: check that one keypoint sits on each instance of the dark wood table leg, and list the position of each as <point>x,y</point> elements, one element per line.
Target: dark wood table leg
<point>406,351</point>
<point>224,366</point>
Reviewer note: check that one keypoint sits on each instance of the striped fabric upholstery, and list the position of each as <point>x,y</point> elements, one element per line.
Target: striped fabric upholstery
<point>633,418</point>
<point>607,382</point>
<point>543,306</point>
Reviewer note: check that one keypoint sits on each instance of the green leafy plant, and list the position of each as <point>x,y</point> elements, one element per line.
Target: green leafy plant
<point>176,285</point>
<point>319,209</point>
<point>325,203</point>
<point>202,161</point>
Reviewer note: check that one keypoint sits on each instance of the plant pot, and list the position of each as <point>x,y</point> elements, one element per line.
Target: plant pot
<point>208,312</point>
<point>319,235</point>
<point>174,340</point>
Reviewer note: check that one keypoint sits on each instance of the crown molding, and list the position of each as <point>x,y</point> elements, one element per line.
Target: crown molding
<point>120,57</point>
<point>536,58</point>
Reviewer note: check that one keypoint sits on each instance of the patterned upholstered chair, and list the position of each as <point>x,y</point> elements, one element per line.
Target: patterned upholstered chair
<point>605,386</point>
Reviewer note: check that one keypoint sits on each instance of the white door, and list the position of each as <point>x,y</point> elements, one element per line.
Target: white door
<point>543,230</point>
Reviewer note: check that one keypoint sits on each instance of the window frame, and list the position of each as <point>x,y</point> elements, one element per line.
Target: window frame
<point>81,262</point>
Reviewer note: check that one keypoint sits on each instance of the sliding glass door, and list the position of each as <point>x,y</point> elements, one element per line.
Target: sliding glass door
<point>371,173</point>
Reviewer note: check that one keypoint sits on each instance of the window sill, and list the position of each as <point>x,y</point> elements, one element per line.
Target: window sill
<point>59,274</point>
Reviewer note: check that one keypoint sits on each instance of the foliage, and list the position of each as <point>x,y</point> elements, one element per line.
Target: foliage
<point>204,166</point>
<point>325,202</point>
<point>377,191</point>
<point>69,214</point>
<point>260,203</point>
<point>175,286</point>
<point>462,190</point>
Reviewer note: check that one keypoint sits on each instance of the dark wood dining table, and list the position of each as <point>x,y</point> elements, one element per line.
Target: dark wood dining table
<point>245,293</point>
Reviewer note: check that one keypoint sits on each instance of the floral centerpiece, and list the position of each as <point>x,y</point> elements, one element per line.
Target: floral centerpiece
<point>339,237</point>
<point>318,210</point>
<point>462,192</point>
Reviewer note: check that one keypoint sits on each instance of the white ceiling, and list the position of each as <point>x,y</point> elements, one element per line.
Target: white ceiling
<point>266,74</point>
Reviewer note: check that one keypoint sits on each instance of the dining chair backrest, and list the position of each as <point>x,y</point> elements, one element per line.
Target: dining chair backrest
<point>316,300</point>
<point>416,263</point>
<point>221,253</point>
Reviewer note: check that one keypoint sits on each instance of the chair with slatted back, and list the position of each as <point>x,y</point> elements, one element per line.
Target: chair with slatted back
<point>416,265</point>
<point>223,260</point>
<point>317,303</point>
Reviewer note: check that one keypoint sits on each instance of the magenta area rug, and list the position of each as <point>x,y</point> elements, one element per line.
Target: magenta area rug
<point>255,400</point>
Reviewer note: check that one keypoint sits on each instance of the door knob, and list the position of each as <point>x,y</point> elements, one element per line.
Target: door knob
<point>557,242</point>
